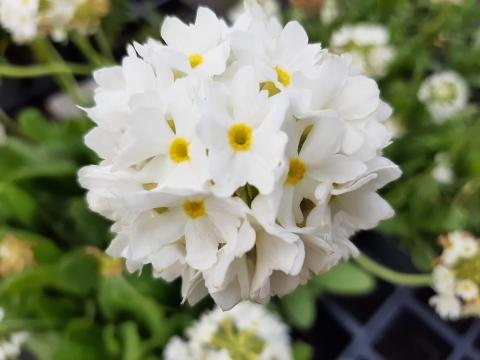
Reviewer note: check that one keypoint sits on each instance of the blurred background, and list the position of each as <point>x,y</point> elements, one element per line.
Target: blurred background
<point>76,303</point>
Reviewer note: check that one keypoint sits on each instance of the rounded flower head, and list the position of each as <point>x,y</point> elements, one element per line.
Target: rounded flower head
<point>240,159</point>
<point>444,94</point>
<point>247,332</point>
<point>368,44</point>
<point>456,277</point>
<point>27,19</point>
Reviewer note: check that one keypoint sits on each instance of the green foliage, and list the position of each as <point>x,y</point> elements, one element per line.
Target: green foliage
<point>302,351</point>
<point>72,308</point>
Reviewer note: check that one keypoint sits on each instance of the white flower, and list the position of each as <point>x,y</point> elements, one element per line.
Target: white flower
<point>447,306</point>
<point>369,46</point>
<point>241,130</point>
<point>443,172</point>
<point>19,18</point>
<point>196,48</point>
<point>456,277</point>
<point>240,159</point>
<point>445,94</point>
<point>249,330</point>
<point>443,280</point>
<point>198,223</point>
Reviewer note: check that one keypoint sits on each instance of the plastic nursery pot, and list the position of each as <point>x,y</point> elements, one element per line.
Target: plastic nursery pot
<point>393,323</point>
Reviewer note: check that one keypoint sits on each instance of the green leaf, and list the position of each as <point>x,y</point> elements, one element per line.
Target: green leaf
<point>89,228</point>
<point>80,272</point>
<point>345,279</point>
<point>299,308</point>
<point>33,125</point>
<point>117,297</point>
<point>82,340</point>
<point>16,204</point>
<point>302,351</point>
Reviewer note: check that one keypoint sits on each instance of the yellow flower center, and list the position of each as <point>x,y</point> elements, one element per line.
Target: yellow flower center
<point>283,77</point>
<point>179,151</point>
<point>195,60</point>
<point>270,87</point>
<point>194,209</point>
<point>296,172</point>
<point>240,137</point>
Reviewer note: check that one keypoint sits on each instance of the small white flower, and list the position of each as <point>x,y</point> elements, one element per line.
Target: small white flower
<point>443,280</point>
<point>445,94</point>
<point>466,289</point>
<point>443,172</point>
<point>369,46</point>
<point>196,48</point>
<point>465,244</point>
<point>242,132</point>
<point>447,306</point>
<point>248,328</point>
<point>455,277</point>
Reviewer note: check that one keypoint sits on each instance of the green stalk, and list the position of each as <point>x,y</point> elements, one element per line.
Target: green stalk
<point>104,45</point>
<point>392,276</point>
<point>47,53</point>
<point>33,71</point>
<point>86,48</point>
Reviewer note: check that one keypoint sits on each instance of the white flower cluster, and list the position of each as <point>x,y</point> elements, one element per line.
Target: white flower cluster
<point>248,331</point>
<point>27,19</point>
<point>369,46</point>
<point>10,346</point>
<point>239,158</point>
<point>445,94</point>
<point>456,277</point>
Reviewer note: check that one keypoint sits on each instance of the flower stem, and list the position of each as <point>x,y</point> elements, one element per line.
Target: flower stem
<point>51,69</point>
<point>86,48</point>
<point>392,276</point>
<point>47,53</point>
<point>104,45</point>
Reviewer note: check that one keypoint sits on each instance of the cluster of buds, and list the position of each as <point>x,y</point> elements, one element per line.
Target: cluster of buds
<point>456,277</point>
